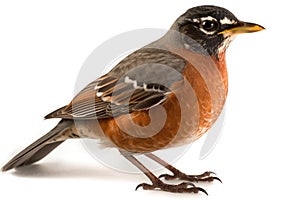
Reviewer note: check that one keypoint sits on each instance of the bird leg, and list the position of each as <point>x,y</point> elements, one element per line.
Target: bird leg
<point>205,177</point>
<point>157,184</point>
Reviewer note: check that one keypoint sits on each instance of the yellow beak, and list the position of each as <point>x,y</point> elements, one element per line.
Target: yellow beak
<point>242,27</point>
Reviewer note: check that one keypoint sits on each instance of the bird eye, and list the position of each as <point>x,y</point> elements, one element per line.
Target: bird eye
<point>209,25</point>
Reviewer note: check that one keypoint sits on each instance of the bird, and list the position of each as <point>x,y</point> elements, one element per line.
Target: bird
<point>163,95</point>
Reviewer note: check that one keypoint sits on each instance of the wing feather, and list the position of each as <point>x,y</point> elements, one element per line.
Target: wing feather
<point>141,81</point>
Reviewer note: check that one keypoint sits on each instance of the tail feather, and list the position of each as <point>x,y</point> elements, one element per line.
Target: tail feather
<point>40,148</point>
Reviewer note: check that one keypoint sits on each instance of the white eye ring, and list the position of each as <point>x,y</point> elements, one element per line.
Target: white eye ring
<point>204,19</point>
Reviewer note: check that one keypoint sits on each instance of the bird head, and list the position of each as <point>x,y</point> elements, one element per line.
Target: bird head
<point>211,28</point>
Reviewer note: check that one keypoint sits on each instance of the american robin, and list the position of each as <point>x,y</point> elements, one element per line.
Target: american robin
<point>166,94</point>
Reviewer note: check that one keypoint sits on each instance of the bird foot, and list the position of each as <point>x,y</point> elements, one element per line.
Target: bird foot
<point>205,177</point>
<point>184,187</point>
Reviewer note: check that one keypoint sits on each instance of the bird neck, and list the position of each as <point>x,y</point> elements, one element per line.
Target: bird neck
<point>173,41</point>
<point>222,67</point>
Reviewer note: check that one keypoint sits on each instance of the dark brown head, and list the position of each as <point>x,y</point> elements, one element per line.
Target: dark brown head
<point>210,28</point>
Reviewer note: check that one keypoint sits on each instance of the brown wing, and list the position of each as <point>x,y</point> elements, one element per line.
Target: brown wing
<point>141,81</point>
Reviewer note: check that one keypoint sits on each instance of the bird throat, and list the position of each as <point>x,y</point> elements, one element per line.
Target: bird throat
<point>223,46</point>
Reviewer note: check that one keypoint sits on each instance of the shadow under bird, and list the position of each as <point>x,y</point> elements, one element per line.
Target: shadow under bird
<point>183,73</point>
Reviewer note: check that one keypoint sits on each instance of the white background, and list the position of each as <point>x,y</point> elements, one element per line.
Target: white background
<point>43,45</point>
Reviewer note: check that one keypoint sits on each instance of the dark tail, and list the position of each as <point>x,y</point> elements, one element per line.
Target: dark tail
<point>42,147</point>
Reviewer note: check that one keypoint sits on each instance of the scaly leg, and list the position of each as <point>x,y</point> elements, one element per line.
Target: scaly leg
<point>157,184</point>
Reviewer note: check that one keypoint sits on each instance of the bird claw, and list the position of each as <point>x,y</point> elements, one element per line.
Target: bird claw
<point>205,177</point>
<point>184,187</point>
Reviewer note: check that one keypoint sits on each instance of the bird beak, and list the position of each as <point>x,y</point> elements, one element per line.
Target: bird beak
<point>242,27</point>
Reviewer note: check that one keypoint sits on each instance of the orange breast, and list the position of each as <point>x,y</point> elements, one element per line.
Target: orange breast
<point>185,116</point>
